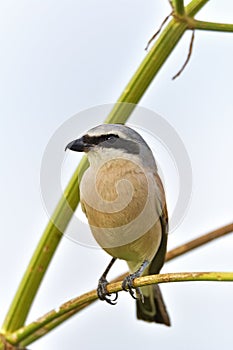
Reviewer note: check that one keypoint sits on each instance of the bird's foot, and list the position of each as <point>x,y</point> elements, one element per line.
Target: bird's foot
<point>128,286</point>
<point>128,283</point>
<point>103,293</point>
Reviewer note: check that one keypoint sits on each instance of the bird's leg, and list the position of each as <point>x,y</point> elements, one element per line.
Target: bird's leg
<point>102,284</point>
<point>127,283</point>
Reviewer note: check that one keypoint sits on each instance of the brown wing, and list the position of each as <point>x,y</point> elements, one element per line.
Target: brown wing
<point>159,257</point>
<point>154,309</point>
<point>83,208</point>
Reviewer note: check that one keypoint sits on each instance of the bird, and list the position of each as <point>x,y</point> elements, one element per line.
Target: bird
<point>123,198</point>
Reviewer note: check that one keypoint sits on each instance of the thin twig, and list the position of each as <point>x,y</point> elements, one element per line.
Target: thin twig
<point>158,31</point>
<point>171,3</point>
<point>198,242</point>
<point>188,57</point>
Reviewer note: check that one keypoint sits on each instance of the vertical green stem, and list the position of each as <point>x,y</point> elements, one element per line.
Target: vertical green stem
<point>178,6</point>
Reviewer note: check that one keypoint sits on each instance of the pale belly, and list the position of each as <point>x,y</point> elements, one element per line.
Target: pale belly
<point>133,242</point>
<point>143,248</point>
<point>123,215</point>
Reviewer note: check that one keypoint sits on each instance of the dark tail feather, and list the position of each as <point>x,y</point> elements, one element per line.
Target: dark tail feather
<point>153,309</point>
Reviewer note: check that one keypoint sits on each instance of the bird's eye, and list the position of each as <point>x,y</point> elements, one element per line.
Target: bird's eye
<point>111,138</point>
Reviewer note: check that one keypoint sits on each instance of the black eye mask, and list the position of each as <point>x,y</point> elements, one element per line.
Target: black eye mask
<point>96,140</point>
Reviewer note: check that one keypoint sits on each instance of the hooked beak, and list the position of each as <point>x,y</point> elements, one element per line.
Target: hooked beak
<point>77,146</point>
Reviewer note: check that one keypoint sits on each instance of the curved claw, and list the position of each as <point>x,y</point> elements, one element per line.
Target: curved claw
<point>128,286</point>
<point>110,301</point>
<point>103,293</point>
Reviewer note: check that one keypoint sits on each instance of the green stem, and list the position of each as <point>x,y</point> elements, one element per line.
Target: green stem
<point>151,64</point>
<point>52,235</point>
<point>219,27</point>
<point>23,335</point>
<point>2,342</point>
<point>42,256</point>
<point>33,336</point>
<point>178,6</point>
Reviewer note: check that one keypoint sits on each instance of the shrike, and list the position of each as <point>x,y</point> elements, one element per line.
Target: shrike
<point>123,198</point>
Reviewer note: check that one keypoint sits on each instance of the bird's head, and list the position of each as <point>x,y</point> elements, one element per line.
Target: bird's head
<point>111,141</point>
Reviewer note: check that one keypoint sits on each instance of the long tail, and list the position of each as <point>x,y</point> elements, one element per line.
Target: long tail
<point>153,309</point>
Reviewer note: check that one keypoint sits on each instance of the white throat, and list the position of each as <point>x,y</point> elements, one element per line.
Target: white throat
<point>100,156</point>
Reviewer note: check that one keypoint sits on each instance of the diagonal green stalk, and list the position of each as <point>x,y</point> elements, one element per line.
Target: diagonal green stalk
<point>43,254</point>
<point>50,240</point>
<point>23,335</point>
<point>46,328</point>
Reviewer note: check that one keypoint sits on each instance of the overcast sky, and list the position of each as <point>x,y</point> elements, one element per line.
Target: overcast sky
<point>59,58</point>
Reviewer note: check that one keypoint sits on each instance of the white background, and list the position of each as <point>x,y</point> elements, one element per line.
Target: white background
<point>60,57</point>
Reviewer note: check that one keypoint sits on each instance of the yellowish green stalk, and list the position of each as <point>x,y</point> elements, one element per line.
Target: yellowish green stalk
<point>178,6</point>
<point>23,336</point>
<point>212,26</point>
